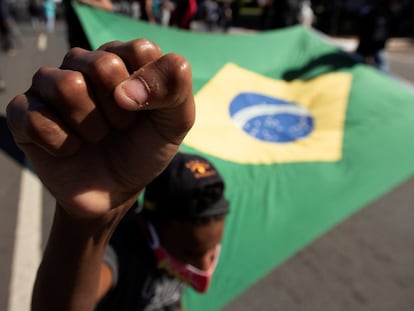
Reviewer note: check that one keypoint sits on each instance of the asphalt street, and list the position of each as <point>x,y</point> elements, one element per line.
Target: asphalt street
<point>365,263</point>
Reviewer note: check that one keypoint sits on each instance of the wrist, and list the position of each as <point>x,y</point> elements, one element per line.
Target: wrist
<point>83,224</point>
<point>95,206</point>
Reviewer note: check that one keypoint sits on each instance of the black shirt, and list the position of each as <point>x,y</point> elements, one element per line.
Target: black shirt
<point>138,283</point>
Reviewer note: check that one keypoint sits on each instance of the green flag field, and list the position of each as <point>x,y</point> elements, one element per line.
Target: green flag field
<point>303,134</point>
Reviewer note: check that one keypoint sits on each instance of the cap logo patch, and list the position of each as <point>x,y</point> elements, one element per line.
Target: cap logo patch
<point>200,169</point>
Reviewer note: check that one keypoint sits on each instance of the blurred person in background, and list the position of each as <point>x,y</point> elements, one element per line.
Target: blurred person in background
<point>306,16</point>
<point>49,7</point>
<point>75,33</point>
<point>374,30</point>
<point>226,15</point>
<point>285,13</point>
<point>147,10</point>
<point>184,13</point>
<point>37,14</point>
<point>266,17</point>
<point>6,29</point>
<point>210,9</point>
<point>6,42</point>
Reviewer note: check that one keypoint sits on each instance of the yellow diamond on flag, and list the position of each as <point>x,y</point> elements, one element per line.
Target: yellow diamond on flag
<point>245,117</point>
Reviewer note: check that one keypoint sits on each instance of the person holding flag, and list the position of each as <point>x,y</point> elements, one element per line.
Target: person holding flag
<point>75,33</point>
<point>374,31</point>
<point>172,239</point>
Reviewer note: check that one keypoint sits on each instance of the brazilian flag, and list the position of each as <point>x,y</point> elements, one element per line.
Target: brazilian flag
<point>303,134</point>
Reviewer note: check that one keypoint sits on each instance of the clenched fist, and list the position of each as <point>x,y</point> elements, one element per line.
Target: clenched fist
<point>104,124</point>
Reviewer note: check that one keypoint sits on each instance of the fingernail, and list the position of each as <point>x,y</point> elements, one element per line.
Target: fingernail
<point>136,93</point>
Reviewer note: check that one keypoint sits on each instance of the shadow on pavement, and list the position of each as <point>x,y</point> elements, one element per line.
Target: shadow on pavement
<point>7,143</point>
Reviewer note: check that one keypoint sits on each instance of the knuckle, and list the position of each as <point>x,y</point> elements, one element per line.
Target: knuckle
<point>40,74</point>
<point>95,64</point>
<point>106,64</point>
<point>68,84</point>
<point>110,45</point>
<point>177,72</point>
<point>178,66</point>
<point>73,54</point>
<point>136,53</point>
<point>38,128</point>
<point>52,83</point>
<point>48,134</point>
<point>144,48</point>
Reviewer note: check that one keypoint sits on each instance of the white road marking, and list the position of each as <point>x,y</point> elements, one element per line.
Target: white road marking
<point>27,248</point>
<point>42,42</point>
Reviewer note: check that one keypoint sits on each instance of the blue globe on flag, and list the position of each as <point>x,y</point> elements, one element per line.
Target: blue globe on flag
<point>270,119</point>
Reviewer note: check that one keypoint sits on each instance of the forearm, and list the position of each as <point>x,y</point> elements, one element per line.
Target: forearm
<point>68,277</point>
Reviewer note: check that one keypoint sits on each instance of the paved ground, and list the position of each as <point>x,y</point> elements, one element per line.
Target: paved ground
<point>365,263</point>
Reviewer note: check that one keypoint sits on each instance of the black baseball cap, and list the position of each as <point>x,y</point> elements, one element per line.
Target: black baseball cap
<point>189,188</point>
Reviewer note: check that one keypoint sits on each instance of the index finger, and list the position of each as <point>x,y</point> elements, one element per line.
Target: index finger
<point>135,53</point>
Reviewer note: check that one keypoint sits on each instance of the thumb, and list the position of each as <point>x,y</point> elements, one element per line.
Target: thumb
<point>164,88</point>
